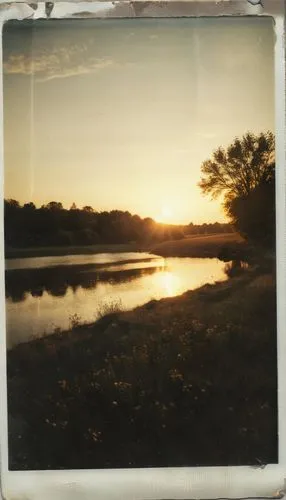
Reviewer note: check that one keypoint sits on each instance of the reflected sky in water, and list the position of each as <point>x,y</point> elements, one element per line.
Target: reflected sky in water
<point>71,260</point>
<point>129,285</point>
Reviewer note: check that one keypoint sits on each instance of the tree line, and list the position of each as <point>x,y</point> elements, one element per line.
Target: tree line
<point>53,225</point>
<point>243,174</point>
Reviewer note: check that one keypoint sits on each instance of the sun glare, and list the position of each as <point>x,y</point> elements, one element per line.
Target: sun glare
<point>166,214</point>
<point>170,283</point>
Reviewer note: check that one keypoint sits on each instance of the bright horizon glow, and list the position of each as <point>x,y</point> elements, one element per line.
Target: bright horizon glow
<point>166,215</point>
<point>120,114</point>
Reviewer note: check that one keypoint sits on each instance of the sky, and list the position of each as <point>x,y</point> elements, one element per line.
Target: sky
<point>121,113</point>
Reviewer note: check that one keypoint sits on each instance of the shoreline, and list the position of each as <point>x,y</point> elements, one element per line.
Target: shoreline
<point>157,371</point>
<point>60,251</point>
<point>83,331</point>
<point>221,288</point>
<point>191,246</point>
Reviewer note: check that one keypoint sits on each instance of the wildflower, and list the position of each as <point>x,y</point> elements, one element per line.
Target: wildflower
<point>122,385</point>
<point>197,325</point>
<point>94,434</point>
<point>187,388</point>
<point>175,375</point>
<point>62,384</point>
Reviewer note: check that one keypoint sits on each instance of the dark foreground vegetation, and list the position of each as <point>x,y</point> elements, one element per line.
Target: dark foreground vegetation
<point>188,381</point>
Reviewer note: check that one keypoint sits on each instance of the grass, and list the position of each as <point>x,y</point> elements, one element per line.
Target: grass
<point>198,246</point>
<point>108,308</point>
<point>182,381</point>
<point>191,246</point>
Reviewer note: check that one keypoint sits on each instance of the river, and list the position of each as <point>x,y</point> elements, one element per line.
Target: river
<point>47,293</point>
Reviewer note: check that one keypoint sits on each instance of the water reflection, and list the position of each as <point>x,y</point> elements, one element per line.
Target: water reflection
<point>42,299</point>
<point>77,260</point>
<point>56,281</point>
<point>170,282</point>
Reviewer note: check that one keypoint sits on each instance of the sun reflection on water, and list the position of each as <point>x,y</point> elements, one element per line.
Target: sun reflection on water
<point>168,282</point>
<point>52,302</point>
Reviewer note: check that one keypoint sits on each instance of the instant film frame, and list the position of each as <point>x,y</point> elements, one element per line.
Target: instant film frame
<point>163,483</point>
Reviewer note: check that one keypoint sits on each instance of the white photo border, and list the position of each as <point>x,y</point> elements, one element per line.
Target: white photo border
<point>159,483</point>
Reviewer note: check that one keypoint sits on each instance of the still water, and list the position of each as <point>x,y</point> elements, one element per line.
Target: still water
<point>45,293</point>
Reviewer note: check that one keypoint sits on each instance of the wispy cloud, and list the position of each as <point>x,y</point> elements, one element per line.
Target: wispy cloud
<point>62,62</point>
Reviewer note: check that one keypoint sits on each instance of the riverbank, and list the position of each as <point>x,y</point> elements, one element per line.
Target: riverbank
<point>189,380</point>
<point>191,246</point>
<point>200,245</point>
<point>57,251</point>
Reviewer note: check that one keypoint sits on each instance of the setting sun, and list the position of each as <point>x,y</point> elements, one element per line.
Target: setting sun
<point>166,214</point>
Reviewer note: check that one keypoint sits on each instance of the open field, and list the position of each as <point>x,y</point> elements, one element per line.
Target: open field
<point>191,246</point>
<point>189,380</point>
<point>198,245</point>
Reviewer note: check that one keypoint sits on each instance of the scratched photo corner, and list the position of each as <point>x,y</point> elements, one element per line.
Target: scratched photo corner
<point>140,255</point>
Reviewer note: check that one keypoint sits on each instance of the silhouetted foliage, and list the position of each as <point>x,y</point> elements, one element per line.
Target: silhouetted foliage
<point>53,205</point>
<point>52,225</point>
<point>244,174</point>
<point>211,228</point>
<point>254,214</point>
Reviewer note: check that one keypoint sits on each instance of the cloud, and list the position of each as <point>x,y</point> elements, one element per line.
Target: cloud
<point>62,62</point>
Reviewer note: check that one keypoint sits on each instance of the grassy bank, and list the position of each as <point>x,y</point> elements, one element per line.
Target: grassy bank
<point>191,246</point>
<point>189,380</point>
<point>199,246</point>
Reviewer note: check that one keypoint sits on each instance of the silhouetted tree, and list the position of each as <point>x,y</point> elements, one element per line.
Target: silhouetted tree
<point>88,208</point>
<point>244,174</point>
<point>237,170</point>
<point>254,215</point>
<point>52,225</point>
<point>29,206</point>
<point>53,205</point>
<point>12,204</point>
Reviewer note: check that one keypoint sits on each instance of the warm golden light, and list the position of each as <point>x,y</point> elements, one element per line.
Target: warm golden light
<point>170,283</point>
<point>166,214</point>
<point>149,113</point>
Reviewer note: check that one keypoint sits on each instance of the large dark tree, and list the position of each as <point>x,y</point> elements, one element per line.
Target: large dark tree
<point>244,174</point>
